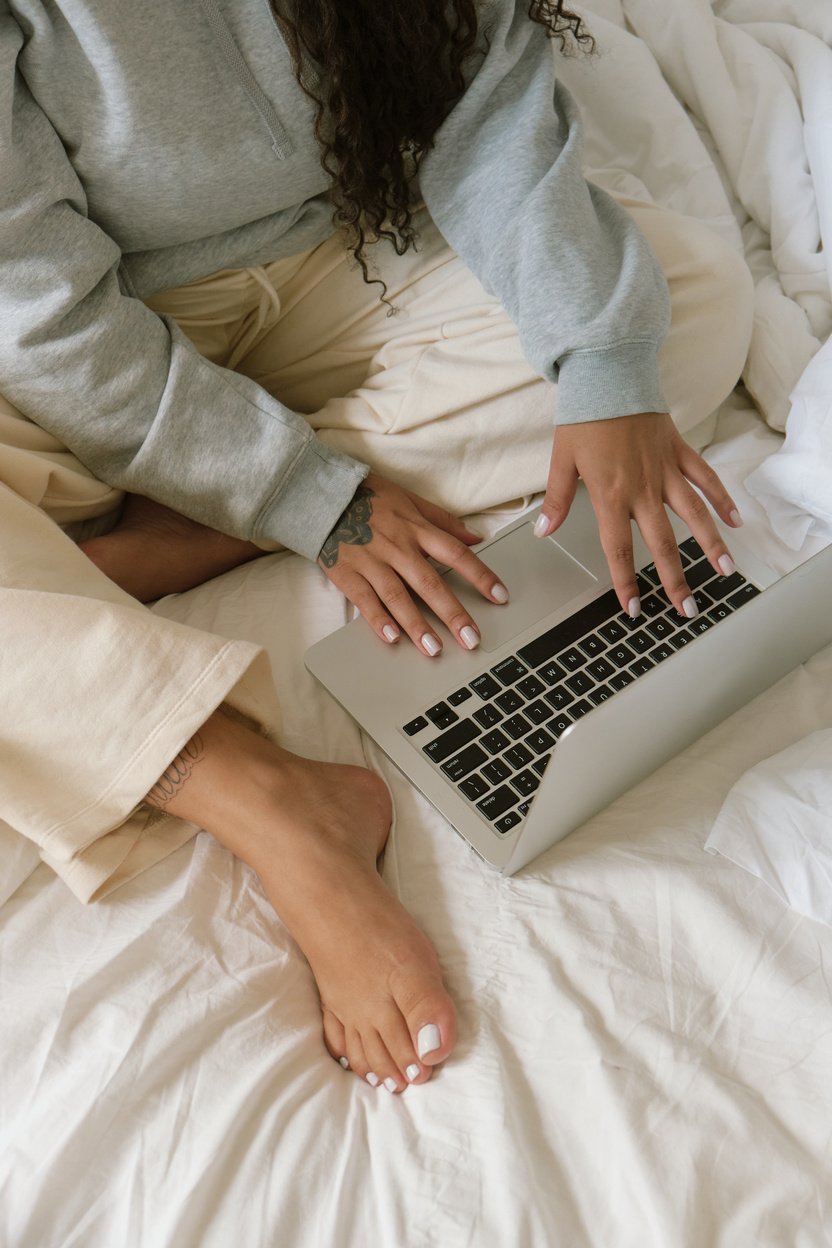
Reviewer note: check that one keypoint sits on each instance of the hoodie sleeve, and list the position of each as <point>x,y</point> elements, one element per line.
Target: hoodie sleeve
<point>122,387</point>
<point>504,184</point>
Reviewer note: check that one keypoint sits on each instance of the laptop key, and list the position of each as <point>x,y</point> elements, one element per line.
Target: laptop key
<point>509,670</point>
<point>680,639</point>
<point>743,595</point>
<point>488,715</point>
<point>601,694</point>
<point>620,655</point>
<point>725,585</point>
<point>525,782</point>
<point>700,573</point>
<point>539,741</point>
<point>690,550</point>
<point>559,724</point>
<point>441,715</point>
<point>540,764</point>
<point>579,683</point>
<point>538,712</point>
<point>570,630</point>
<point>572,659</point>
<point>640,641</point>
<point>507,822</point>
<point>663,651</point>
<point>621,680</point>
<point>508,701</point>
<point>495,741</point>
<point>653,605</point>
<point>452,741</point>
<point>592,646</point>
<point>531,687</point>
<point>577,709</point>
<point>612,632</point>
<point>524,808</point>
<point>415,725</point>
<point>496,771</point>
<point>719,612</point>
<point>497,802</point>
<point>641,666</point>
<point>660,628</point>
<point>559,698</point>
<point>601,669</point>
<point>517,726</point>
<point>701,625</point>
<point>461,695</point>
<point>463,763</point>
<point>486,686</point>
<point>518,756</point>
<point>473,787</point>
<point>551,673</point>
<point>651,574</point>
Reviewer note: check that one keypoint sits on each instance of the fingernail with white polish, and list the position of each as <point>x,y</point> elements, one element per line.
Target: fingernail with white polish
<point>726,565</point>
<point>431,644</point>
<point>390,633</point>
<point>499,593</point>
<point>690,608</point>
<point>390,1085</point>
<point>428,1039</point>
<point>413,1072</point>
<point>634,608</point>
<point>469,637</point>
<point>541,526</point>
<point>372,1080</point>
<point>342,1061</point>
<point>735,518</point>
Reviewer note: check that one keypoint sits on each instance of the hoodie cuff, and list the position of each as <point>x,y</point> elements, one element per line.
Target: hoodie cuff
<point>302,513</point>
<point>615,381</point>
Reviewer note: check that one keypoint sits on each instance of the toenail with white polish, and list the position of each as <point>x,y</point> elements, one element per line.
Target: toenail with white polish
<point>413,1072</point>
<point>428,1039</point>
<point>372,1080</point>
<point>342,1061</point>
<point>390,1085</point>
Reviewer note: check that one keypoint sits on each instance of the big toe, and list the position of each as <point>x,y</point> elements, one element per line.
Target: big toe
<point>430,1017</point>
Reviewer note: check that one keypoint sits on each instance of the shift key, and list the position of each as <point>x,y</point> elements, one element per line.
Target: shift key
<point>452,741</point>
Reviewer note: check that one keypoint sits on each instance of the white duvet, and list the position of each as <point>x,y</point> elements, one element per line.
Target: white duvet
<point>645,1041</point>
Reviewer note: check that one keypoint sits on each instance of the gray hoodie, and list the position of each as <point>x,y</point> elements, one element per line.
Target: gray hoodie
<point>147,144</point>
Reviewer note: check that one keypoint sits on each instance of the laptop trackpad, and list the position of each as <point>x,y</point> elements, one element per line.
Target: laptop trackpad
<point>539,575</point>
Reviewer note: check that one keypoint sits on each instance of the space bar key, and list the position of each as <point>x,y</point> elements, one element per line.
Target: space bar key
<point>569,630</point>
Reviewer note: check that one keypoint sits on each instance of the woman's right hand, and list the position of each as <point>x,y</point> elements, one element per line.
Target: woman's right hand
<point>378,556</point>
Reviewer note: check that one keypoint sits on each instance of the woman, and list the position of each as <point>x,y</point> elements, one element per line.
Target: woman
<point>186,190</point>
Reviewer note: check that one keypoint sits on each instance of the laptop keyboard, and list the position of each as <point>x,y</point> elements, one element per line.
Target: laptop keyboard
<point>493,737</point>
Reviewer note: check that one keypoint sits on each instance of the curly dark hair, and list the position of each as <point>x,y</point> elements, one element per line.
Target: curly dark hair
<point>388,76</point>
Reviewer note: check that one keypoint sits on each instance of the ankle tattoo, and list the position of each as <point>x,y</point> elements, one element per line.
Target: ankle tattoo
<point>176,775</point>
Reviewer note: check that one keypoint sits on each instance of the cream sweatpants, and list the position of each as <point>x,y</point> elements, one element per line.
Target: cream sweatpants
<point>98,694</point>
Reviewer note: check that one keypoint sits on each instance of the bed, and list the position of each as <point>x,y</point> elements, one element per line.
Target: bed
<point>645,1054</point>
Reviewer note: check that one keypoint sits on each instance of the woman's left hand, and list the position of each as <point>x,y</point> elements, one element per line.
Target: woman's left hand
<point>632,466</point>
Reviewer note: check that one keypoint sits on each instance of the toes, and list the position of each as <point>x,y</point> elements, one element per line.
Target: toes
<point>431,1020</point>
<point>399,1045</point>
<point>335,1039</point>
<point>383,1065</point>
<point>358,1058</point>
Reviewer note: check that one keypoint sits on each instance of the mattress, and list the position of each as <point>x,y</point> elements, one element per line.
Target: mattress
<point>645,1046</point>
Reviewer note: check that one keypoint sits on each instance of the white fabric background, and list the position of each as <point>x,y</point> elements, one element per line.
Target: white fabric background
<point>645,1056</point>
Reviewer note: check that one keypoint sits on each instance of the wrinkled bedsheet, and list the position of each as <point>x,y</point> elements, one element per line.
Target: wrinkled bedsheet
<point>645,1054</point>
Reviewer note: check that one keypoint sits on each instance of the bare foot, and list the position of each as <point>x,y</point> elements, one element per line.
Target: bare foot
<point>154,551</point>
<point>313,833</point>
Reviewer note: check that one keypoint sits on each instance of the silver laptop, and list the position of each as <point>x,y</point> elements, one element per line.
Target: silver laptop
<point>567,702</point>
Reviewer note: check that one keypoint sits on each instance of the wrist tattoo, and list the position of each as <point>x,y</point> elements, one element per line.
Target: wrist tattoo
<point>352,529</point>
<point>173,779</point>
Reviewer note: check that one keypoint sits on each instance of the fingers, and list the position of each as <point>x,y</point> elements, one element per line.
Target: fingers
<point>560,493</point>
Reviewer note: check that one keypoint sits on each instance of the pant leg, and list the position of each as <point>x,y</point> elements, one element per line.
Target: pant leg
<point>98,694</point>
<point>440,396</point>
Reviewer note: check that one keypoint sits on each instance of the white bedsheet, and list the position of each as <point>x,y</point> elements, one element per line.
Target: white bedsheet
<point>645,1039</point>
